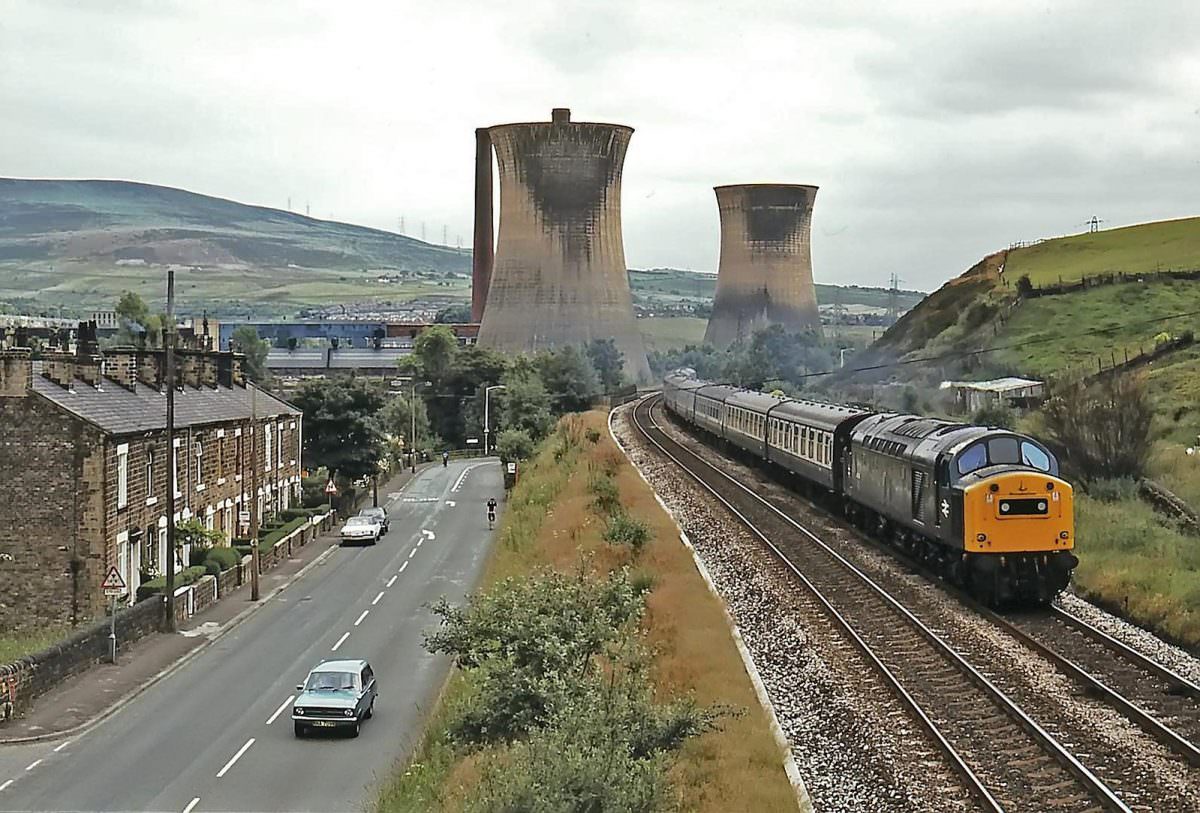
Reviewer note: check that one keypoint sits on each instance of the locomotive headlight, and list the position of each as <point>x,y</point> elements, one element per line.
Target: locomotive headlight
<point>1041,505</point>
<point>980,537</point>
<point>1064,535</point>
<point>1003,508</point>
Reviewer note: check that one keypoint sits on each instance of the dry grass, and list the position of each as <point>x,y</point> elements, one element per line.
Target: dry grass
<point>20,644</point>
<point>736,768</point>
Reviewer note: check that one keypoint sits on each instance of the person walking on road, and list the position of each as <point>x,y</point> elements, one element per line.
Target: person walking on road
<point>491,504</point>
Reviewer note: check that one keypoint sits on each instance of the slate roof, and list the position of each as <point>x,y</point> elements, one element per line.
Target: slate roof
<point>118,411</point>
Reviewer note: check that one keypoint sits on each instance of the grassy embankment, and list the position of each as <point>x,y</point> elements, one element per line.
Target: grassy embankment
<point>550,521</point>
<point>670,333</point>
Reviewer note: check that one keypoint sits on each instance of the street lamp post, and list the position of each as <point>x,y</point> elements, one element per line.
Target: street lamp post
<point>486,395</point>
<point>412,411</point>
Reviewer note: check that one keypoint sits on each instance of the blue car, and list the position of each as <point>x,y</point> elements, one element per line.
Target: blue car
<point>337,695</point>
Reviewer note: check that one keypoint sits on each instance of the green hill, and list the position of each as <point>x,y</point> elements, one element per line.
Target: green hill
<point>1169,244</point>
<point>77,244</point>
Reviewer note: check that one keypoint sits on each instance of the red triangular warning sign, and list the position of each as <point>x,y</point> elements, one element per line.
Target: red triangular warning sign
<point>113,580</point>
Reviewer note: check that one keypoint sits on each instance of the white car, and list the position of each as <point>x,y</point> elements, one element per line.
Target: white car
<point>362,530</point>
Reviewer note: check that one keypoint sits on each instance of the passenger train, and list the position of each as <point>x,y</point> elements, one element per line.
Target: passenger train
<point>985,508</point>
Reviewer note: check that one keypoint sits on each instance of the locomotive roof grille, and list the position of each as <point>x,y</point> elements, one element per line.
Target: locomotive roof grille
<point>921,427</point>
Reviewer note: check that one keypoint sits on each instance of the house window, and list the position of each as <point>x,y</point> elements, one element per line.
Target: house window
<point>220,454</point>
<point>279,447</point>
<point>267,441</point>
<point>122,475</point>
<point>199,450</point>
<point>175,468</point>
<point>149,472</point>
<point>241,460</point>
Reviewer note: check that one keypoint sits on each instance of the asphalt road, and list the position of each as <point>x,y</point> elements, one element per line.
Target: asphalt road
<point>217,735</point>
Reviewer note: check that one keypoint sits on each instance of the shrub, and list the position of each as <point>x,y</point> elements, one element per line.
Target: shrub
<point>280,531</point>
<point>212,567</point>
<point>997,415</point>
<point>606,497</point>
<point>289,514</point>
<point>1101,428</point>
<point>625,530</point>
<point>182,579</point>
<point>593,435</point>
<point>225,557</point>
<point>244,550</point>
<point>1024,286</point>
<point>1112,489</point>
<point>979,313</point>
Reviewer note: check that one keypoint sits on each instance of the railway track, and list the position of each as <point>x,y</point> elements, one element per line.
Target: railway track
<point>1004,758</point>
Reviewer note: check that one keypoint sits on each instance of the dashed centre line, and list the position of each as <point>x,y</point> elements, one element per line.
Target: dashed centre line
<point>279,710</point>
<point>340,641</point>
<point>412,553</point>
<point>361,617</point>
<point>392,580</point>
<point>373,603</point>
<point>236,757</point>
<point>62,746</point>
<point>4,785</point>
<point>191,805</point>
<point>402,567</point>
<point>33,764</point>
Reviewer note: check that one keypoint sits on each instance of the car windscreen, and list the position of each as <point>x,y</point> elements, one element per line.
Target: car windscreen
<point>331,681</point>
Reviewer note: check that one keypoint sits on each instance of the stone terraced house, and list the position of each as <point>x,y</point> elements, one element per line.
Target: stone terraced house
<point>83,469</point>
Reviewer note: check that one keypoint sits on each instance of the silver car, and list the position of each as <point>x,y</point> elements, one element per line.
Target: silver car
<point>362,529</point>
<point>337,695</point>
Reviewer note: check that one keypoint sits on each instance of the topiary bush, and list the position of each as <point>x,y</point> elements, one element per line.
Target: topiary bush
<point>225,557</point>
<point>182,579</point>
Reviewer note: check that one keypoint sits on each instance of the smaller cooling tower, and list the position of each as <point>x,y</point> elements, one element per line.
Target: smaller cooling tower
<point>765,272</point>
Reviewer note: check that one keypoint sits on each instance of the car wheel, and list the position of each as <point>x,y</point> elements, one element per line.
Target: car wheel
<point>355,729</point>
<point>370,710</point>
<point>301,729</point>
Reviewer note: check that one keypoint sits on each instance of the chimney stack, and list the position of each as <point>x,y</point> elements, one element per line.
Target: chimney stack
<point>236,377</point>
<point>16,372</point>
<point>121,365</point>
<point>59,367</point>
<point>88,362</point>
<point>150,368</point>
<point>190,362</point>
<point>208,370</point>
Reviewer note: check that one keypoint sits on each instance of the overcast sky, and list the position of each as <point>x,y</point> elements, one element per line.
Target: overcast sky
<point>937,132</point>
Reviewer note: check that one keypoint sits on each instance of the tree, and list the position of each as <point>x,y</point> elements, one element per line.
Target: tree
<point>454,314</point>
<point>524,403</point>
<point>396,418</point>
<point>1024,286</point>
<point>341,429</point>
<point>245,340</point>
<point>514,444</point>
<point>434,353</point>
<point>569,377</point>
<point>608,361</point>
<point>1101,430</point>
<point>132,309</point>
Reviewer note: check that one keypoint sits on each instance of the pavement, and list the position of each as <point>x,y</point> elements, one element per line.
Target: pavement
<point>213,732</point>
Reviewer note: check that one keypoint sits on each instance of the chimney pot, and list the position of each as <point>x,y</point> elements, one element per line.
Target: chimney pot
<point>560,115</point>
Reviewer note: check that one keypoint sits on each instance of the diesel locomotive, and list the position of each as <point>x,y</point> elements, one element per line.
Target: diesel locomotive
<point>984,508</point>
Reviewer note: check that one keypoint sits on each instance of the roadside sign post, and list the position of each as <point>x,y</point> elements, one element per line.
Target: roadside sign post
<point>113,586</point>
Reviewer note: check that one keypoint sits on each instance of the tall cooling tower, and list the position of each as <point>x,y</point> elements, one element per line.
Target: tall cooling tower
<point>765,272</point>
<point>559,273</point>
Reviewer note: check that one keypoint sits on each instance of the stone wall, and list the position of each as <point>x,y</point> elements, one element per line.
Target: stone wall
<point>30,677</point>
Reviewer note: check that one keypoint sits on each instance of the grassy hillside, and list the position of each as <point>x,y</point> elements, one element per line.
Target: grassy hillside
<point>78,244</point>
<point>666,284</point>
<point>1133,249</point>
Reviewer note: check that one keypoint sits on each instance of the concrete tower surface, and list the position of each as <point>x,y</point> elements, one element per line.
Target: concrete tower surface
<point>559,275</point>
<point>765,272</point>
<point>482,257</point>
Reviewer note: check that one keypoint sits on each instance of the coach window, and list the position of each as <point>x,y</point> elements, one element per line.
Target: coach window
<point>973,458</point>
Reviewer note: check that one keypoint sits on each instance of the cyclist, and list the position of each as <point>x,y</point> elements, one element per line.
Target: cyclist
<point>491,504</point>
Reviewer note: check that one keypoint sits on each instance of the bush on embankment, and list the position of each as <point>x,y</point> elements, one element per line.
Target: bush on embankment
<point>592,675</point>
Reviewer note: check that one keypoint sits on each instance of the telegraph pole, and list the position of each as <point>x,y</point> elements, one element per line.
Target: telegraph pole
<point>169,327</point>
<point>254,518</point>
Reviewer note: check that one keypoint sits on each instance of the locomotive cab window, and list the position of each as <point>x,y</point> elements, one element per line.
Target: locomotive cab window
<point>1003,450</point>
<point>1033,456</point>
<point>975,457</point>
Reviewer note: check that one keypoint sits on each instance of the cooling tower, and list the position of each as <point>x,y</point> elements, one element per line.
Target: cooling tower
<point>765,272</point>
<point>559,274</point>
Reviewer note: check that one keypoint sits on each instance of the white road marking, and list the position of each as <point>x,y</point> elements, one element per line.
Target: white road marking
<point>361,617</point>
<point>62,746</point>
<point>6,784</point>
<point>458,483</point>
<point>392,580</point>
<point>341,641</point>
<point>450,503</point>
<point>428,535</point>
<point>403,566</point>
<point>376,601</point>
<point>34,764</point>
<point>412,553</point>
<point>236,757</point>
<point>279,710</point>
<point>191,805</point>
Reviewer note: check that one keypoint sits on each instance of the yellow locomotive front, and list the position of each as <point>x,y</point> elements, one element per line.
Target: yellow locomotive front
<point>1017,521</point>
